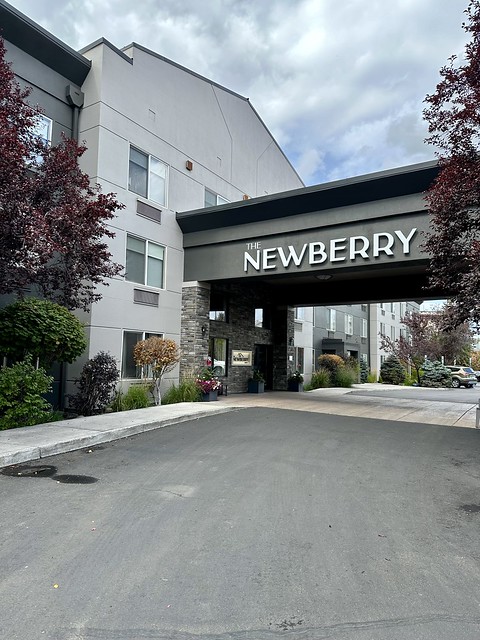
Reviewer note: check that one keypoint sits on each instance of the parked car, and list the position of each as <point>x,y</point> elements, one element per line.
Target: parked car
<point>462,376</point>
<point>477,373</point>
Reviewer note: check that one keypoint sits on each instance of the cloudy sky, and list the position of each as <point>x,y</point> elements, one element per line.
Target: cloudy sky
<point>339,83</point>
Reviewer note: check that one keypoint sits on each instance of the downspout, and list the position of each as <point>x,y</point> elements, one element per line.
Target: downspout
<point>75,98</point>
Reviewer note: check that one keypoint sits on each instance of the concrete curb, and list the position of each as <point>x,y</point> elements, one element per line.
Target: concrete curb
<point>33,443</point>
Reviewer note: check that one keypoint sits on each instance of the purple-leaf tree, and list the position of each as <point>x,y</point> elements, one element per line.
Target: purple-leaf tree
<point>453,117</point>
<point>53,222</point>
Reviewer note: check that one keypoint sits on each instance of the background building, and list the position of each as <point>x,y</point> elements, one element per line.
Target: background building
<point>356,330</point>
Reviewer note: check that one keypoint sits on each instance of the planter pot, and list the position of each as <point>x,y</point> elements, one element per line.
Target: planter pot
<point>254,386</point>
<point>295,386</point>
<point>210,396</point>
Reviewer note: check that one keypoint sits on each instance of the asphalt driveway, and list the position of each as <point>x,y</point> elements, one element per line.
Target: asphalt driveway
<point>252,525</point>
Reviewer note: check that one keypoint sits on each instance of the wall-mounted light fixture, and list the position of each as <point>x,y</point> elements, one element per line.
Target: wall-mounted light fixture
<point>204,329</point>
<point>323,276</point>
<point>189,165</point>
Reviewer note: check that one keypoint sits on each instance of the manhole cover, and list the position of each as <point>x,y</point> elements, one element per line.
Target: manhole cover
<point>30,471</point>
<point>470,508</point>
<point>72,479</point>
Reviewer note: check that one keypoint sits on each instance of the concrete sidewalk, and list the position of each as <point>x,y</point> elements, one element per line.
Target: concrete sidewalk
<point>32,443</point>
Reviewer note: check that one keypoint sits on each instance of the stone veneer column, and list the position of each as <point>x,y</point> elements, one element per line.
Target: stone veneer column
<point>195,317</point>
<point>283,346</point>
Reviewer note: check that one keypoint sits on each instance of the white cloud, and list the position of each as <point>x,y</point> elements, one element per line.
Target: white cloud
<point>339,83</point>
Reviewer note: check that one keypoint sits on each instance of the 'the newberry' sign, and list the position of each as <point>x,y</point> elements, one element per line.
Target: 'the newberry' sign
<point>347,250</point>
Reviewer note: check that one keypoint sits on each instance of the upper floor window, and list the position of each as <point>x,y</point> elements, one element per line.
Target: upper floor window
<point>213,199</point>
<point>43,129</point>
<point>263,318</point>
<point>147,176</point>
<point>218,307</point>
<point>300,314</point>
<point>332,320</point>
<point>364,328</point>
<point>348,324</point>
<point>145,262</point>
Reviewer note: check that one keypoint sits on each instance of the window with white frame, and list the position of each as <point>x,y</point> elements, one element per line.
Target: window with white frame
<point>147,176</point>
<point>364,328</point>
<point>145,262</point>
<point>382,328</point>
<point>212,199</point>
<point>130,339</point>
<point>332,320</point>
<point>299,314</point>
<point>43,129</point>
<point>348,324</point>
<point>393,334</point>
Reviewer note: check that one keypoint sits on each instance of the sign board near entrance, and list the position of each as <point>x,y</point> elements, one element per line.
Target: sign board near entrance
<point>241,358</point>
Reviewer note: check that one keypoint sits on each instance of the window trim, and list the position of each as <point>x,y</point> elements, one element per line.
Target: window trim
<point>149,158</point>
<point>217,198</point>
<point>144,335</point>
<point>145,262</point>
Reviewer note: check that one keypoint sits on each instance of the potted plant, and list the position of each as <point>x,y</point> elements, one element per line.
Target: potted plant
<point>256,384</point>
<point>208,385</point>
<point>295,381</point>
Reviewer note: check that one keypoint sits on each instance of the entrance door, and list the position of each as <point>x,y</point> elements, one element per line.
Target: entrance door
<point>263,361</point>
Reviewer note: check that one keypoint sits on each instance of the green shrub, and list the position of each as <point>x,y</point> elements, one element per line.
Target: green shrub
<point>137,396</point>
<point>41,328</point>
<point>21,389</point>
<point>363,371</point>
<point>372,377</point>
<point>96,385</point>
<point>392,371</point>
<point>186,391</point>
<point>436,375</point>
<point>345,377</point>
<point>320,379</point>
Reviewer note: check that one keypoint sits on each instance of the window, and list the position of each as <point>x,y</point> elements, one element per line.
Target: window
<point>332,320</point>
<point>382,328</point>
<point>130,339</point>
<point>263,318</point>
<point>364,307</point>
<point>218,307</point>
<point>299,314</point>
<point>147,176</point>
<point>218,355</point>
<point>43,129</point>
<point>213,199</point>
<point>364,328</point>
<point>393,333</point>
<point>348,324</point>
<point>299,359</point>
<point>145,262</point>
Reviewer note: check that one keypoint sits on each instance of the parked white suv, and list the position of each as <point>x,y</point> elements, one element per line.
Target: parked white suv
<point>462,376</point>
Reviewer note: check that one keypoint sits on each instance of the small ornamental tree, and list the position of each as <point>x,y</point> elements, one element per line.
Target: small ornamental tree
<point>52,220</point>
<point>156,356</point>
<point>453,117</point>
<point>44,329</point>
<point>96,385</point>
